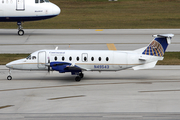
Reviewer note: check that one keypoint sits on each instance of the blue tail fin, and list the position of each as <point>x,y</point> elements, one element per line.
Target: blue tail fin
<point>159,45</point>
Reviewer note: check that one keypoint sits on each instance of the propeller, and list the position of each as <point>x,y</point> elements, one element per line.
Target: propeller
<point>48,65</point>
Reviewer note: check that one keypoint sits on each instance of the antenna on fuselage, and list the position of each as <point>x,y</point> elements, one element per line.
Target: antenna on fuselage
<point>56,48</point>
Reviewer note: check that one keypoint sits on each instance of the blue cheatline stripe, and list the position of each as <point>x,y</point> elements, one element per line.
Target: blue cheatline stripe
<point>157,47</point>
<point>24,18</point>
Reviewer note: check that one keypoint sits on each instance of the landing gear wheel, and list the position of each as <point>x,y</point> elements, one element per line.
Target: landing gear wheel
<point>9,77</point>
<point>78,78</point>
<point>21,32</point>
<point>20,29</point>
<point>81,75</point>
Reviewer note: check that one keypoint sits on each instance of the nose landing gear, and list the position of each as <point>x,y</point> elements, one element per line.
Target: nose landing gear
<point>20,30</point>
<point>9,77</point>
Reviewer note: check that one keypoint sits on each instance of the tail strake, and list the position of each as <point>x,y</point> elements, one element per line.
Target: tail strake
<point>159,45</point>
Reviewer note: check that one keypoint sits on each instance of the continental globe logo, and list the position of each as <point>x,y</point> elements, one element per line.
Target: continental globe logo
<point>154,49</point>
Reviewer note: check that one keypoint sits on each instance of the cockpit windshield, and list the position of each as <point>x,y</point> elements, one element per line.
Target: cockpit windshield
<point>41,1</point>
<point>29,57</point>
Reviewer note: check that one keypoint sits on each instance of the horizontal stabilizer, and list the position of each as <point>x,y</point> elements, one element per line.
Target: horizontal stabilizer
<point>150,58</point>
<point>145,66</point>
<point>164,35</point>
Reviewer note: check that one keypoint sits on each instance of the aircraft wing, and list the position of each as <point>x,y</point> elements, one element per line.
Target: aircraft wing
<point>65,67</point>
<point>73,68</point>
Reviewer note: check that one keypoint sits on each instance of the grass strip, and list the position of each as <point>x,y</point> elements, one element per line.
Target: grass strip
<point>6,58</point>
<point>170,58</point>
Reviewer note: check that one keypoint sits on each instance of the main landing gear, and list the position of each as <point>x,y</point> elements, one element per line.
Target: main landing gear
<point>20,30</point>
<point>9,77</point>
<point>79,77</point>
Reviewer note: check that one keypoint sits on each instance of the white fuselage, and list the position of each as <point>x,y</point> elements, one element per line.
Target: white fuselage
<point>27,10</point>
<point>90,60</point>
<point>77,61</point>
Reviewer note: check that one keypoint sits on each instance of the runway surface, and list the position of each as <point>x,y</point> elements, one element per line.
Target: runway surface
<point>88,39</point>
<point>152,93</point>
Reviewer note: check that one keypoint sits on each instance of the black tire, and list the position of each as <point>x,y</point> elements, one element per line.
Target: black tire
<point>77,78</point>
<point>21,32</point>
<point>9,77</point>
<point>81,75</point>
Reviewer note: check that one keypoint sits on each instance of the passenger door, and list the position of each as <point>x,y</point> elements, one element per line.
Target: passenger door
<point>42,60</point>
<point>1,13</point>
<point>20,5</point>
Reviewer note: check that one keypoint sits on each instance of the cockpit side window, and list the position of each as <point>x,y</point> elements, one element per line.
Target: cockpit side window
<point>33,57</point>
<point>29,57</point>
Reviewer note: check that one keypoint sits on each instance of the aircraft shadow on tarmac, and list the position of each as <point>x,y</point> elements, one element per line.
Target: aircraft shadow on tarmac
<point>69,78</point>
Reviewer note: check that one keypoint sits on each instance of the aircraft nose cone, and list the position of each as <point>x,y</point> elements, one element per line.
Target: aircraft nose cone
<point>56,10</point>
<point>8,65</point>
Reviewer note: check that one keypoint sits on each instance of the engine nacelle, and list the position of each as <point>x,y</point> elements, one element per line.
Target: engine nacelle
<point>60,66</point>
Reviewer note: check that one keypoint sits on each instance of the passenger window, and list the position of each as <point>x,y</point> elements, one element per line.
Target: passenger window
<point>70,58</point>
<point>2,1</point>
<point>33,57</point>
<point>107,59</point>
<point>63,58</point>
<point>92,58</point>
<point>85,58</point>
<point>99,58</point>
<point>77,58</point>
<point>36,1</point>
<point>55,58</point>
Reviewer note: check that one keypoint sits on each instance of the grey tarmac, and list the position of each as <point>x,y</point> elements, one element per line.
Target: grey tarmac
<point>81,39</point>
<point>152,93</point>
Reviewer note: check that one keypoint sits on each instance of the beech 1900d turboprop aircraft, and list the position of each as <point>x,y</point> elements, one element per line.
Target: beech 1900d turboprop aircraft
<point>77,61</point>
<point>26,10</point>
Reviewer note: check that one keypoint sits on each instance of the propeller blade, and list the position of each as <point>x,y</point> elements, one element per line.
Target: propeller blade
<point>48,65</point>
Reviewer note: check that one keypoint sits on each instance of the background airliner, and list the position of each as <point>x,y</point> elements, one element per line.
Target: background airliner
<point>77,61</point>
<point>26,10</point>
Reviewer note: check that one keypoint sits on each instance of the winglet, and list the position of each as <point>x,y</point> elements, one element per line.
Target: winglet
<point>167,36</point>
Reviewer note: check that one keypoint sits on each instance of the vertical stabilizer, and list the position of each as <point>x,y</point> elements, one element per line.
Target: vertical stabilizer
<point>154,51</point>
<point>159,45</point>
